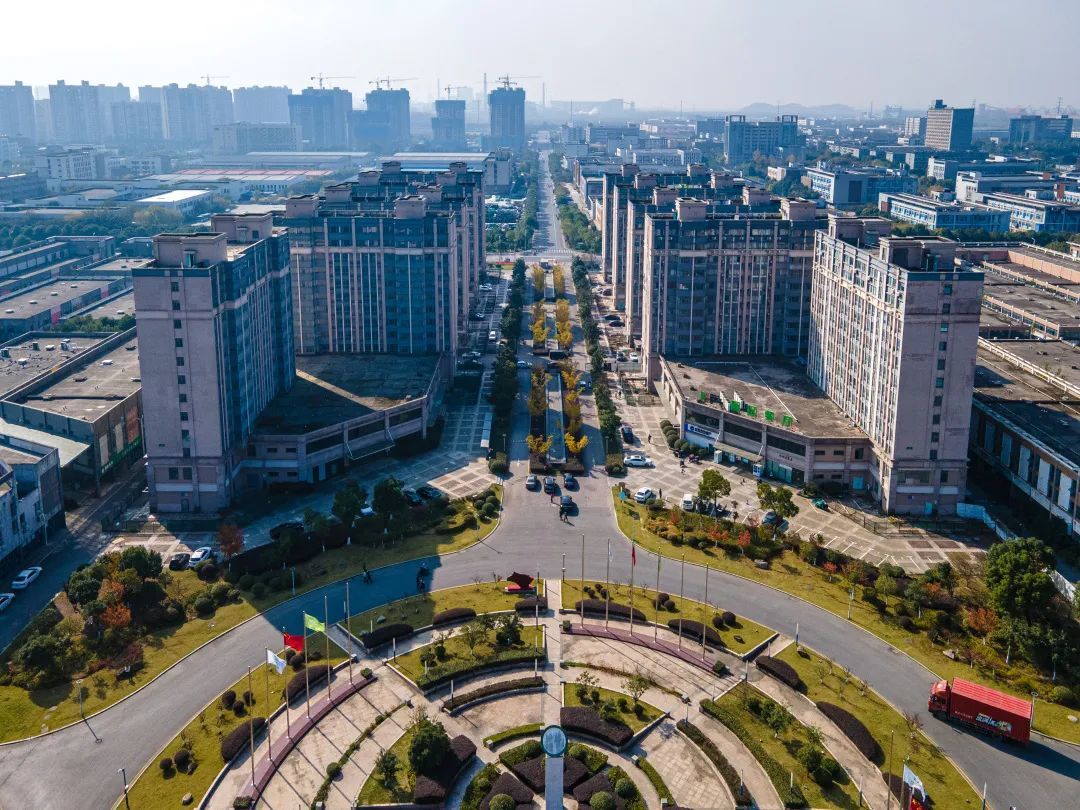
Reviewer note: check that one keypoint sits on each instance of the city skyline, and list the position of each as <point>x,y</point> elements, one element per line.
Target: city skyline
<point>841,39</point>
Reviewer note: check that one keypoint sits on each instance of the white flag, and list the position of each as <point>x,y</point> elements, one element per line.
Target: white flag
<point>276,661</point>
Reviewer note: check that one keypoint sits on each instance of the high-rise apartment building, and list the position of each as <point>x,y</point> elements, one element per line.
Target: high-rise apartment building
<point>215,347</point>
<point>949,128</point>
<point>244,137</point>
<point>718,282</point>
<point>136,123</point>
<point>743,138</point>
<point>915,127</point>
<point>77,113</point>
<point>17,111</point>
<point>261,105</point>
<point>1036,129</point>
<point>507,111</point>
<point>391,106</point>
<point>382,281</point>
<point>190,113</point>
<point>894,331</point>
<point>108,95</point>
<point>448,124</point>
<point>323,116</point>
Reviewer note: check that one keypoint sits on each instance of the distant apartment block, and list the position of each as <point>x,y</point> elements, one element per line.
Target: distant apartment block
<point>1028,213</point>
<point>949,128</point>
<point>137,123</point>
<point>17,119</point>
<point>947,168</point>
<point>81,113</point>
<point>915,127</point>
<point>323,117</point>
<point>1035,129</point>
<point>190,113</point>
<point>243,137</point>
<point>973,186</point>
<point>215,338</point>
<point>448,124</point>
<point>261,105</point>
<point>933,214</point>
<point>506,107</point>
<point>390,107</point>
<point>853,188</point>
<point>743,138</point>
<point>894,327</point>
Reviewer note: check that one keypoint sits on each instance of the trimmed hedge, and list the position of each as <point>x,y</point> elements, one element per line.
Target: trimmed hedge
<point>463,698</point>
<point>854,730</point>
<point>443,672</point>
<point>586,720</point>
<point>596,607</point>
<point>583,792</point>
<point>778,774</point>
<point>530,603</point>
<point>656,780</point>
<point>508,785</point>
<point>434,787</point>
<point>693,629</point>
<point>726,769</point>
<point>452,616</point>
<point>531,772</point>
<point>238,739</point>
<point>385,634</point>
<point>297,684</point>
<point>781,670</point>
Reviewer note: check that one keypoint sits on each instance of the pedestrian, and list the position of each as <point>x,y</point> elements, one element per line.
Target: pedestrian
<point>661,494</point>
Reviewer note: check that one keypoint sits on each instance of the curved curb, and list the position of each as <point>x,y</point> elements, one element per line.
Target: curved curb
<point>177,662</point>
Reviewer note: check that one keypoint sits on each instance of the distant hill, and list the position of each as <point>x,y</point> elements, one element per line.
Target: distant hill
<point>760,109</point>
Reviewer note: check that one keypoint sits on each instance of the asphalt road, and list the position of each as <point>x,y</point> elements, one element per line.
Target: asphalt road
<point>68,770</point>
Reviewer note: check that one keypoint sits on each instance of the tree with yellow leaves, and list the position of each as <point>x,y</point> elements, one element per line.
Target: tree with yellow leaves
<point>538,279</point>
<point>540,334</point>
<point>538,445</point>
<point>570,379</point>
<point>564,335</point>
<point>575,446</point>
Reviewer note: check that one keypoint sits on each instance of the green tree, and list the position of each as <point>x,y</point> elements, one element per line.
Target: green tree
<point>388,496</point>
<point>777,499</point>
<point>146,563</point>
<point>348,501</point>
<point>713,486</point>
<point>429,745</point>
<point>636,684</point>
<point>1018,577</point>
<point>386,763</point>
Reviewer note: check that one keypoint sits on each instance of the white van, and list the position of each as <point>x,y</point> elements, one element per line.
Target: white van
<point>687,502</point>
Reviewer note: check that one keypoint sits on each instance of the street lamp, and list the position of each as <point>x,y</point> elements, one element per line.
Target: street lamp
<point>123,775</point>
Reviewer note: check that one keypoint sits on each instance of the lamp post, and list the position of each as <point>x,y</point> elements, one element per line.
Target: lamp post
<point>123,775</point>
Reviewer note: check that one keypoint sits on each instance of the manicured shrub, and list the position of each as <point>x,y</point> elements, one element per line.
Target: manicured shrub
<point>463,698</point>
<point>781,670</point>
<point>854,730</point>
<point>332,770</point>
<point>365,672</point>
<point>239,709</point>
<point>228,698</point>
<point>245,582</point>
<point>596,607</point>
<point>297,661</point>
<point>720,668</point>
<point>661,600</point>
<point>452,616</point>
<point>233,595</point>
<point>237,740</point>
<point>249,698</point>
<point>433,786</point>
<point>693,629</point>
<point>385,634</point>
<point>729,618</point>
<point>297,684</point>
<point>207,572</point>
<point>203,604</point>
<point>182,759</point>
<point>625,788</point>
<point>220,593</point>
<point>1063,695</point>
<point>587,720</point>
<point>502,801</point>
<point>530,604</point>
<point>258,590</point>
<point>166,764</point>
<point>907,623</point>
<point>602,800</point>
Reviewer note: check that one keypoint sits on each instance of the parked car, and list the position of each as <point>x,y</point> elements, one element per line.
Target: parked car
<point>428,492</point>
<point>820,503</point>
<point>549,484</point>
<point>25,577</point>
<point>567,503</point>
<point>201,555</point>
<point>179,561</point>
<point>412,496</point>
<point>485,288</point>
<point>493,335</point>
<point>635,357</point>
<point>637,460</point>
<point>770,518</point>
<point>292,526</point>
<point>557,354</point>
<point>569,481</point>
<point>627,433</point>
<point>524,364</point>
<point>532,482</point>
<point>616,323</point>
<point>611,316</point>
<point>367,511</point>
<point>643,495</point>
<point>6,599</point>
<point>477,316</point>
<point>687,502</point>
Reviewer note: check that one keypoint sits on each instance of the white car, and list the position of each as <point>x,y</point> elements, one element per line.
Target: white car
<point>687,502</point>
<point>201,555</point>
<point>635,357</point>
<point>524,364</point>
<point>6,599</point>
<point>643,495</point>
<point>25,577</point>
<point>637,460</point>
<point>493,335</point>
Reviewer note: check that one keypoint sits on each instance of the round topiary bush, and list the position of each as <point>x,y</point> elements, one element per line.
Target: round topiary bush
<point>623,703</point>
<point>720,668</point>
<point>332,770</point>
<point>1063,696</point>
<point>907,623</point>
<point>248,698</point>
<point>577,751</point>
<point>365,673</point>
<point>208,572</point>
<point>182,759</point>
<point>258,590</point>
<point>625,788</point>
<point>729,618</point>
<point>228,698</point>
<point>669,605</point>
<point>246,581</point>
<point>500,801</point>
<point>203,604</point>
<point>239,709</point>
<point>233,595</point>
<point>602,800</point>
<point>220,593</point>
<point>166,764</point>
<point>718,622</point>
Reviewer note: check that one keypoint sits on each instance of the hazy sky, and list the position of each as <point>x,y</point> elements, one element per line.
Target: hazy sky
<point>711,55</point>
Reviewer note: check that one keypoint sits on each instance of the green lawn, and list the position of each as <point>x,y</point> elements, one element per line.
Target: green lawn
<point>23,713</point>
<point>205,732</point>
<point>740,639</point>
<point>483,597</point>
<point>789,573</point>
<point>784,749</point>
<point>458,654</point>
<point>827,682</point>
<point>635,721</point>
<point>400,790</point>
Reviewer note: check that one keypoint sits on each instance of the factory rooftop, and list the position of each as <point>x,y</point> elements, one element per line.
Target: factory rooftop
<point>778,387</point>
<point>53,294</point>
<point>20,362</point>
<point>333,388</point>
<point>1022,301</point>
<point>116,307</point>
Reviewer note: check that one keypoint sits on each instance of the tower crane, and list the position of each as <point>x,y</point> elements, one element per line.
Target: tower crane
<point>386,81</point>
<point>450,87</point>
<point>320,78</point>
<point>208,77</point>
<point>508,81</point>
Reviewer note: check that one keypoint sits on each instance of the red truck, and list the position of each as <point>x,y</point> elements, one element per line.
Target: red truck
<point>985,709</point>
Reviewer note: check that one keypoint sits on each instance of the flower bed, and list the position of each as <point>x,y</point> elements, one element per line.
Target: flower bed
<point>854,730</point>
<point>726,769</point>
<point>612,609</point>
<point>464,698</point>
<point>586,720</point>
<point>781,670</point>
<point>507,785</point>
<point>385,634</point>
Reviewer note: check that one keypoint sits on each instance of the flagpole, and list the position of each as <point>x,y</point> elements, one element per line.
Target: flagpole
<point>656,601</point>
<point>682,607</point>
<point>348,627</point>
<point>307,673</point>
<point>269,742</point>
<point>536,593</point>
<point>581,590</point>
<point>631,587</point>
<point>607,584</point>
<point>326,635</point>
<point>705,612</point>
<point>251,732</point>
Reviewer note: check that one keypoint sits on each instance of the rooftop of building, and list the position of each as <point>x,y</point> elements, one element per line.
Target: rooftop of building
<point>13,455</point>
<point>432,161</point>
<point>116,307</point>
<point>930,203</point>
<point>1041,409</point>
<point>14,372</point>
<point>333,388</point>
<point>1037,302</point>
<point>1029,202</point>
<point>253,175</point>
<point>177,196</point>
<point>55,293</point>
<point>87,390</point>
<point>769,385</point>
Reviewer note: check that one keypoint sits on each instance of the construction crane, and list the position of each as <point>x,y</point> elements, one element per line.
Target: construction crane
<point>321,78</point>
<point>208,77</point>
<point>508,81</point>
<point>450,87</point>
<point>380,82</point>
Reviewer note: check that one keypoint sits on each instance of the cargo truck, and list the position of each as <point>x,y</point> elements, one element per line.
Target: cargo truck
<point>982,708</point>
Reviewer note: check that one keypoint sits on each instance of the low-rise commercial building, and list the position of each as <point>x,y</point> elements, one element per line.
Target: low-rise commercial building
<point>973,186</point>
<point>934,215</point>
<point>40,307</point>
<point>31,495</point>
<point>1027,213</point>
<point>853,188</point>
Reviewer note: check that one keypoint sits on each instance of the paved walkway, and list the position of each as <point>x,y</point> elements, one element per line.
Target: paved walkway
<point>752,774</point>
<point>687,772</point>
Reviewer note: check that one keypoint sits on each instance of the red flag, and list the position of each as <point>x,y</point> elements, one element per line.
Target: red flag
<point>633,555</point>
<point>296,642</point>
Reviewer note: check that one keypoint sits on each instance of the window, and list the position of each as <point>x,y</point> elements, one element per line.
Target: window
<point>187,473</point>
<point>178,343</point>
<point>943,346</point>
<point>183,416</point>
<point>946,309</point>
<point>933,455</point>
<point>944,326</point>
<point>858,453</point>
<point>937,419</point>
<point>185,434</point>
<point>941,365</point>
<point>819,452</point>
<point>176,306</point>
<point>939,382</point>
<point>174,473</point>
<point>176,324</point>
<point>947,289</point>
<point>937,402</point>
<point>944,476</point>
<point>183,397</point>
<point>838,452</point>
<point>179,361</point>
<point>934,437</point>
<point>174,286</point>
<point>181,379</point>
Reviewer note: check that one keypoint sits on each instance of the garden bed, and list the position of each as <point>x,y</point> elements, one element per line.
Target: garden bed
<point>460,660</point>
<point>622,704</point>
<point>463,699</point>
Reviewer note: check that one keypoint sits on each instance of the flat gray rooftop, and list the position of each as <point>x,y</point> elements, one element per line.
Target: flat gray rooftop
<point>88,390</point>
<point>26,303</point>
<point>770,385</point>
<point>1041,409</point>
<point>334,388</point>
<point>1035,301</point>
<point>14,373</point>
<point>113,308</point>
<point>13,455</point>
